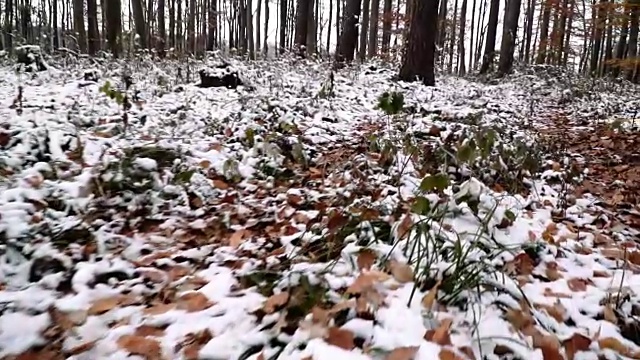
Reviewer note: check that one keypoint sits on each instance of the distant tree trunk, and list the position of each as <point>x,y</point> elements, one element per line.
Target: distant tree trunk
<point>386,26</point>
<point>8,15</point>
<point>621,46</point>
<point>179,33</point>
<point>329,25</point>
<point>213,26</point>
<point>92,22</point>
<point>249,30</point>
<point>339,3</point>
<point>562,32</point>
<point>172,24</point>
<point>481,33</point>
<point>149,25</point>
<point>138,16</point>
<point>452,42</point>
<point>349,35</point>
<point>258,27</point>
<point>608,49</point>
<point>567,34</point>
<point>114,26</point>
<point>492,28</point>
<point>471,47</point>
<point>78,24</point>
<point>419,59</point>
<point>461,50</point>
<point>597,37</point>
<point>265,48</point>
<point>633,38</point>
<point>364,30</point>
<point>191,27</point>
<point>544,32</point>
<point>302,20</point>
<point>283,25</point>
<point>312,20</point>
<point>554,46</point>
<point>528,32</point>
<point>442,28</point>
<point>56,34</point>
<point>373,28</point>
<point>510,31</point>
<point>162,31</point>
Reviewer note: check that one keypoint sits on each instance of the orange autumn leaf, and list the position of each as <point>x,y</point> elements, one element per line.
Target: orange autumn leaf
<point>341,338</point>
<point>577,284</point>
<point>193,301</point>
<point>103,305</point>
<point>405,226</point>
<point>148,330</point>
<point>575,344</point>
<point>430,297</point>
<point>615,345</point>
<point>275,301</point>
<point>237,238</point>
<point>365,281</point>
<point>441,334</point>
<point>403,353</point>
<point>403,273</point>
<point>446,354</point>
<point>366,259</point>
<point>140,345</point>
<point>219,184</point>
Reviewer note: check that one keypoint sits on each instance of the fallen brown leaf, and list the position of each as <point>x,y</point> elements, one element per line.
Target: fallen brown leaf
<point>577,284</point>
<point>159,309</point>
<point>140,345</point>
<point>193,301</point>
<point>403,353</point>
<point>403,273</point>
<point>446,354</point>
<point>575,344</point>
<point>609,314</point>
<point>366,259</point>
<point>430,297</point>
<point>365,281</point>
<point>341,338</point>
<point>103,305</point>
<point>405,226</point>
<point>148,330</point>
<point>237,238</point>
<point>275,301</point>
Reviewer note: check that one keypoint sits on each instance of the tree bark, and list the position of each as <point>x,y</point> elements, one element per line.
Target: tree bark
<point>509,36</point>
<point>349,35</point>
<point>492,28</point>
<point>92,22</point>
<point>544,33</point>
<point>8,14</point>
<point>138,15</point>
<point>162,31</point>
<point>302,20</point>
<point>473,22</point>
<point>419,59</point>
<point>597,37</point>
<point>364,30</point>
<point>78,24</point>
<point>567,34</point>
<point>373,28</point>
<point>114,26</point>
<point>461,50</point>
<point>621,46</point>
<point>452,42</point>
<point>283,25</point>
<point>386,26</point>
<point>265,48</point>
<point>633,38</point>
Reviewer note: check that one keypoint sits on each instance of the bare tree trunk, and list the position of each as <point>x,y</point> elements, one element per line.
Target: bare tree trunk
<point>172,24</point>
<point>312,20</point>
<point>529,30</point>
<point>492,28</point>
<point>509,36</point>
<point>386,26</point>
<point>442,28</point>
<point>481,33</point>
<point>373,28</point>
<point>179,34</point>
<point>621,46</point>
<point>597,37</point>
<point>56,34</point>
<point>191,27</point>
<point>419,59</point>
<point>249,30</point>
<point>8,14</point>
<point>567,34</point>
<point>265,47</point>
<point>608,49</point>
<point>364,30</point>
<point>544,33</point>
<point>258,27</point>
<point>453,36</point>
<point>78,24</point>
<point>114,26</point>
<point>329,25</point>
<point>213,25</point>
<point>463,24</point>
<point>162,32</point>
<point>150,25</point>
<point>138,15</point>
<point>302,21</point>
<point>349,35</point>
<point>633,38</point>
<point>283,25</point>
<point>473,22</point>
<point>562,32</point>
<point>92,22</point>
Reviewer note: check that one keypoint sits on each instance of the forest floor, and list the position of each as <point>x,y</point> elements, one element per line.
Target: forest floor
<point>305,217</point>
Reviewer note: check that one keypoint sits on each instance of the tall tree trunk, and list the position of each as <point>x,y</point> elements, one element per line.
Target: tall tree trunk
<point>492,28</point>
<point>312,20</point>
<point>442,27</point>
<point>179,33</point>
<point>373,28</point>
<point>149,26</point>
<point>554,46</point>
<point>191,27</point>
<point>92,22</point>
<point>386,26</point>
<point>213,25</point>
<point>8,14</point>
<point>528,32</point>
<point>544,32</point>
<point>258,27</point>
<point>419,59</point>
<point>172,24</point>
<point>461,50</point>
<point>509,34</point>
<point>162,32</point>
<point>249,30</point>
<point>78,24</point>
<point>338,22</point>
<point>364,30</point>
<point>452,42</point>
<point>481,33</point>
<point>621,46</point>
<point>608,49</point>
<point>302,22</point>
<point>349,35</point>
<point>329,25</point>
<point>138,16</point>
<point>567,33</point>
<point>265,47</point>
<point>562,29</point>
<point>632,51</point>
<point>56,34</point>
<point>473,22</point>
<point>283,25</point>
<point>114,26</point>
<point>597,37</point>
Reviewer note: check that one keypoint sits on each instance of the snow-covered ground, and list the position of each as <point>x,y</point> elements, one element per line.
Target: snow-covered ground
<point>294,219</point>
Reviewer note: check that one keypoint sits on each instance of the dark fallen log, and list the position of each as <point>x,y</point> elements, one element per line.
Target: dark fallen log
<point>220,76</point>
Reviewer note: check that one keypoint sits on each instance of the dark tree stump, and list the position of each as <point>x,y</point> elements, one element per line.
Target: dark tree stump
<point>220,76</point>
<point>31,57</point>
